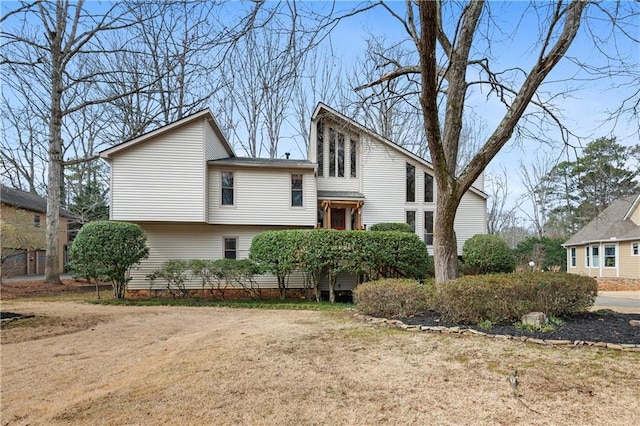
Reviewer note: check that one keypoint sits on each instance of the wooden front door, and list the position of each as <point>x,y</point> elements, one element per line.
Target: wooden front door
<point>338,218</point>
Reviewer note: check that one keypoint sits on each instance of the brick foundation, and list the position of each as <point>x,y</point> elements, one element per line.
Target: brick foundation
<point>231,294</point>
<point>618,284</point>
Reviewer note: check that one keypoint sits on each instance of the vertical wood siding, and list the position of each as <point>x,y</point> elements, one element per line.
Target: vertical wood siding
<point>262,196</point>
<point>161,179</point>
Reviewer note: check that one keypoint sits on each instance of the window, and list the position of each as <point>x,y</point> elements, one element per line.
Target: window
<point>411,220</point>
<point>635,249</point>
<point>428,188</point>
<point>340,155</point>
<point>428,228</point>
<point>227,188</point>
<point>296,190</point>
<point>36,220</point>
<point>230,248</point>
<point>586,256</point>
<point>595,256</point>
<point>411,183</point>
<point>332,152</point>
<point>609,256</point>
<point>573,257</point>
<point>353,158</point>
<point>320,153</point>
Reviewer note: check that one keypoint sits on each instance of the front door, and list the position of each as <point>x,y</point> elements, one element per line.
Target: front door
<point>338,218</point>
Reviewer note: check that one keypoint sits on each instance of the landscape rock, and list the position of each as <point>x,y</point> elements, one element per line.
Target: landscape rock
<point>634,323</point>
<point>534,319</point>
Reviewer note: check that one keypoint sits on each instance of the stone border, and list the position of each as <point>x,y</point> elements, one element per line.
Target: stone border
<point>470,331</point>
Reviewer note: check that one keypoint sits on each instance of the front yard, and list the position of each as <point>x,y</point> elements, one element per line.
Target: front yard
<point>75,363</point>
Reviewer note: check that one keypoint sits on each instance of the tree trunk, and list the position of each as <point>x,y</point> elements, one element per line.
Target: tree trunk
<point>445,244</point>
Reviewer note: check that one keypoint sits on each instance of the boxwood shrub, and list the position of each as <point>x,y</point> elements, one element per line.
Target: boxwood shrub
<point>392,226</point>
<point>487,254</point>
<point>393,297</point>
<point>504,298</point>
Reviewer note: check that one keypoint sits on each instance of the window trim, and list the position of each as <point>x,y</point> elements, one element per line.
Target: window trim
<point>432,214</point>
<point>637,248</point>
<point>425,188</point>
<point>572,257</point>
<point>353,154</point>
<point>224,247</point>
<point>411,167</point>
<point>223,188</point>
<point>406,219</point>
<point>301,190</point>
<point>595,257</point>
<point>605,257</point>
<point>320,148</point>
<point>587,255</point>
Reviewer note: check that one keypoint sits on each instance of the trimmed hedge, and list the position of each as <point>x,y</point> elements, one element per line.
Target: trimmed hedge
<point>392,226</point>
<point>393,297</point>
<point>504,298</point>
<point>487,254</point>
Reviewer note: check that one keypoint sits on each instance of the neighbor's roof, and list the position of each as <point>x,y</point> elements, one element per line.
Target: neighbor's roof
<point>205,113</point>
<point>276,163</point>
<point>613,224</point>
<point>26,200</point>
<point>350,122</point>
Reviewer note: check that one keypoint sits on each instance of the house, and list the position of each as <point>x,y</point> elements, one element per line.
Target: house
<point>195,199</point>
<point>23,217</point>
<point>608,247</point>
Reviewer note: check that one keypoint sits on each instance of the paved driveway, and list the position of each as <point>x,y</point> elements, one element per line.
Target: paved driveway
<point>620,301</point>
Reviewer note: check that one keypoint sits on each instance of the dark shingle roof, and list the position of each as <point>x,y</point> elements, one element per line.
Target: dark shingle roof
<point>25,200</point>
<point>609,225</point>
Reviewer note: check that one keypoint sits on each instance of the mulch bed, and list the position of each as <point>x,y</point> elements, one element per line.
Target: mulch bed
<point>601,326</point>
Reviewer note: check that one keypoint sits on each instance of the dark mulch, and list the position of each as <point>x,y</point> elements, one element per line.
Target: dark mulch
<point>600,326</point>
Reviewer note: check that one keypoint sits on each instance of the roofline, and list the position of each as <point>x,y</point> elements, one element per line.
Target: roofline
<point>278,165</point>
<point>635,204</point>
<point>615,240</point>
<point>205,113</point>
<point>388,142</point>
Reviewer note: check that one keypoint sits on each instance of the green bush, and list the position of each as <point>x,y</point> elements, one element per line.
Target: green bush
<point>487,254</point>
<point>392,297</point>
<point>504,298</point>
<point>107,251</point>
<point>392,226</point>
<point>547,253</point>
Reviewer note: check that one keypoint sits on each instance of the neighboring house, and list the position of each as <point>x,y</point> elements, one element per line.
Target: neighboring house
<point>184,185</point>
<point>609,245</point>
<point>23,217</point>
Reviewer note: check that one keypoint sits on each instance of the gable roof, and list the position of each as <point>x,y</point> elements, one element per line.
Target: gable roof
<point>275,163</point>
<point>205,113</point>
<point>27,201</point>
<point>613,224</point>
<point>350,122</point>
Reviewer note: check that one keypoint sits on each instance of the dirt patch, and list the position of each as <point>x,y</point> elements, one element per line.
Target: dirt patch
<point>180,365</point>
<point>10,290</point>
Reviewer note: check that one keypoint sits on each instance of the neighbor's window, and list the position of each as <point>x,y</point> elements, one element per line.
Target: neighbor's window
<point>320,153</point>
<point>353,158</point>
<point>573,257</point>
<point>428,188</point>
<point>296,190</point>
<point>411,183</point>
<point>586,256</point>
<point>635,249</point>
<point>36,220</point>
<point>230,248</point>
<point>595,256</point>
<point>609,256</point>
<point>411,220</point>
<point>227,188</point>
<point>428,228</point>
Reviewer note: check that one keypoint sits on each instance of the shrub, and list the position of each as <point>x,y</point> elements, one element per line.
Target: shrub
<point>504,298</point>
<point>175,273</point>
<point>392,297</point>
<point>547,253</point>
<point>392,226</point>
<point>487,254</point>
<point>106,251</point>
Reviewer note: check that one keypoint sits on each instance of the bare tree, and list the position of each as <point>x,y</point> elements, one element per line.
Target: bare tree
<point>453,42</point>
<point>539,193</point>
<point>500,213</point>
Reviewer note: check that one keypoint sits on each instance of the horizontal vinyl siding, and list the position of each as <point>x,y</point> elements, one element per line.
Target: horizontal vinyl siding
<point>635,216</point>
<point>262,196</point>
<point>161,179</point>
<point>629,265</point>
<point>470,218</point>
<point>196,241</point>
<point>214,148</point>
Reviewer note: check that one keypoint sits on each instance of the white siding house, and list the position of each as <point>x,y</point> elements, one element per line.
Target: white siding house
<point>195,199</point>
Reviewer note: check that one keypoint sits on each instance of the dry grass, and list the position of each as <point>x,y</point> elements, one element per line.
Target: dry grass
<point>194,366</point>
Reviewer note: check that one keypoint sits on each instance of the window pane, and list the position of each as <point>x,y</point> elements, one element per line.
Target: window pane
<point>353,158</point>
<point>595,256</point>
<point>428,228</point>
<point>340,155</point>
<point>320,153</point>
<point>428,188</point>
<point>573,256</point>
<point>230,248</point>
<point>635,249</point>
<point>610,256</point>
<point>227,188</point>
<point>332,152</point>
<point>411,183</point>
<point>296,190</point>
<point>411,220</point>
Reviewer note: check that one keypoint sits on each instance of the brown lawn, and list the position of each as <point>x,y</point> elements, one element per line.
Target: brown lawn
<point>81,364</point>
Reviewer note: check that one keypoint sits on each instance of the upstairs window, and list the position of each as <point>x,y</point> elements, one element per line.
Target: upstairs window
<point>36,220</point>
<point>332,152</point>
<point>411,220</point>
<point>428,188</point>
<point>320,153</point>
<point>230,248</point>
<point>411,183</point>
<point>227,188</point>
<point>340,150</point>
<point>428,228</point>
<point>296,190</point>
<point>353,158</point>
<point>609,256</point>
